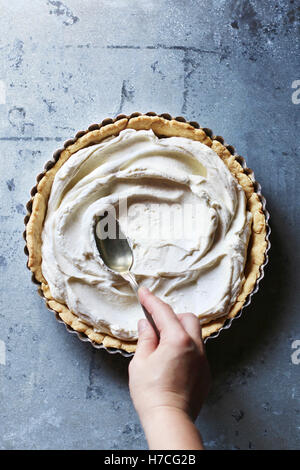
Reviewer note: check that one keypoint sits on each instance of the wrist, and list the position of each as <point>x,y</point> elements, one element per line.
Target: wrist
<point>161,413</point>
<point>168,427</point>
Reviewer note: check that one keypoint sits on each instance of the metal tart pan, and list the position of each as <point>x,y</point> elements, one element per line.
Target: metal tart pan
<point>210,133</point>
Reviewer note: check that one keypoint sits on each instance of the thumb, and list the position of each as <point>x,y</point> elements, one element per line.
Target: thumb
<point>147,342</point>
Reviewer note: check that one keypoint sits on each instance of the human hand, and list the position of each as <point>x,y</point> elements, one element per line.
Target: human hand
<point>171,374</point>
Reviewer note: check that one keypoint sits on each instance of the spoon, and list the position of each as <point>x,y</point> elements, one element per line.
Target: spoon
<point>117,255</point>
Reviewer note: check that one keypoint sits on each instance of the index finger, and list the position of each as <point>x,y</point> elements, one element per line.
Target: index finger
<point>163,315</point>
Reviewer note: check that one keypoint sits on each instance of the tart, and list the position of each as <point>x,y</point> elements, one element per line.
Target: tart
<point>153,162</point>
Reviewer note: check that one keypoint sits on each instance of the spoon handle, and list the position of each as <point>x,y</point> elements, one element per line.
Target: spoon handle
<point>132,281</point>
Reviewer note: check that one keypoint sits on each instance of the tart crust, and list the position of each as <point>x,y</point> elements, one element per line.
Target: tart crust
<point>162,126</point>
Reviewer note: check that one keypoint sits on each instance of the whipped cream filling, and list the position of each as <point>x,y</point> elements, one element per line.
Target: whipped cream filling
<point>182,211</point>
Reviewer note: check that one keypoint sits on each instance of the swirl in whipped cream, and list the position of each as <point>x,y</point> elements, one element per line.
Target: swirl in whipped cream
<point>200,273</point>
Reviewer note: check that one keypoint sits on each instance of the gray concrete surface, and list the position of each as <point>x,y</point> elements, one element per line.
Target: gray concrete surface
<point>229,65</point>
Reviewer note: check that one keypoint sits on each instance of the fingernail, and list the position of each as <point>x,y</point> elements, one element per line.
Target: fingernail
<point>144,290</point>
<point>142,325</point>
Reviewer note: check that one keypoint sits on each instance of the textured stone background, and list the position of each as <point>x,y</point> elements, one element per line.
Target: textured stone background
<point>228,64</point>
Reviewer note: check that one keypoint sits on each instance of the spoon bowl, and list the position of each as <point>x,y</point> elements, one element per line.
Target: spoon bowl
<point>113,248</point>
<point>116,253</point>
